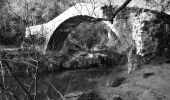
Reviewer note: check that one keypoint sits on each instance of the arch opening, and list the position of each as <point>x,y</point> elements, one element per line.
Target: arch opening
<point>61,33</point>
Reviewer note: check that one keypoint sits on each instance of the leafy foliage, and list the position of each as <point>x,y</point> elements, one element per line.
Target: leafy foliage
<point>89,35</point>
<point>16,15</point>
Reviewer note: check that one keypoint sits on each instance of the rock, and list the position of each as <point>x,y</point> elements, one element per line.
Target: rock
<point>73,96</point>
<point>146,75</point>
<point>90,96</point>
<point>118,81</point>
<point>117,97</point>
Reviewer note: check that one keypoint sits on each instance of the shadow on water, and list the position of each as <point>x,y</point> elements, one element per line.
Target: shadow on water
<point>65,82</point>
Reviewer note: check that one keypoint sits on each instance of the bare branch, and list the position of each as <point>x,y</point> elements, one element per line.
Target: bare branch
<point>12,10</point>
<point>3,73</point>
<point>119,9</point>
<point>9,91</point>
<point>114,14</point>
<point>19,82</point>
<point>56,90</point>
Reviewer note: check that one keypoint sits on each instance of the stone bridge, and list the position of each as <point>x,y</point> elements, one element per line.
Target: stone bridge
<point>129,25</point>
<point>70,18</point>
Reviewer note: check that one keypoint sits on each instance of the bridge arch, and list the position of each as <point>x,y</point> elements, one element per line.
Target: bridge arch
<point>61,33</point>
<point>76,14</point>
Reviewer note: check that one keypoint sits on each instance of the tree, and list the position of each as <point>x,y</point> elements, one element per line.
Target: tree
<point>16,15</point>
<point>113,13</point>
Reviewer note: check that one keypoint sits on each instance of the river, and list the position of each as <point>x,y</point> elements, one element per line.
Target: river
<point>49,85</point>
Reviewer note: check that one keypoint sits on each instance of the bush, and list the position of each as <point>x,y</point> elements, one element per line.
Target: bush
<point>11,30</point>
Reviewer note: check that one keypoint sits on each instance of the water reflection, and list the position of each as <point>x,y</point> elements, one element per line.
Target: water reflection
<point>49,84</point>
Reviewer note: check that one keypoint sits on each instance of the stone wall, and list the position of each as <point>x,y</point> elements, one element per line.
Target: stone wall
<point>148,30</point>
